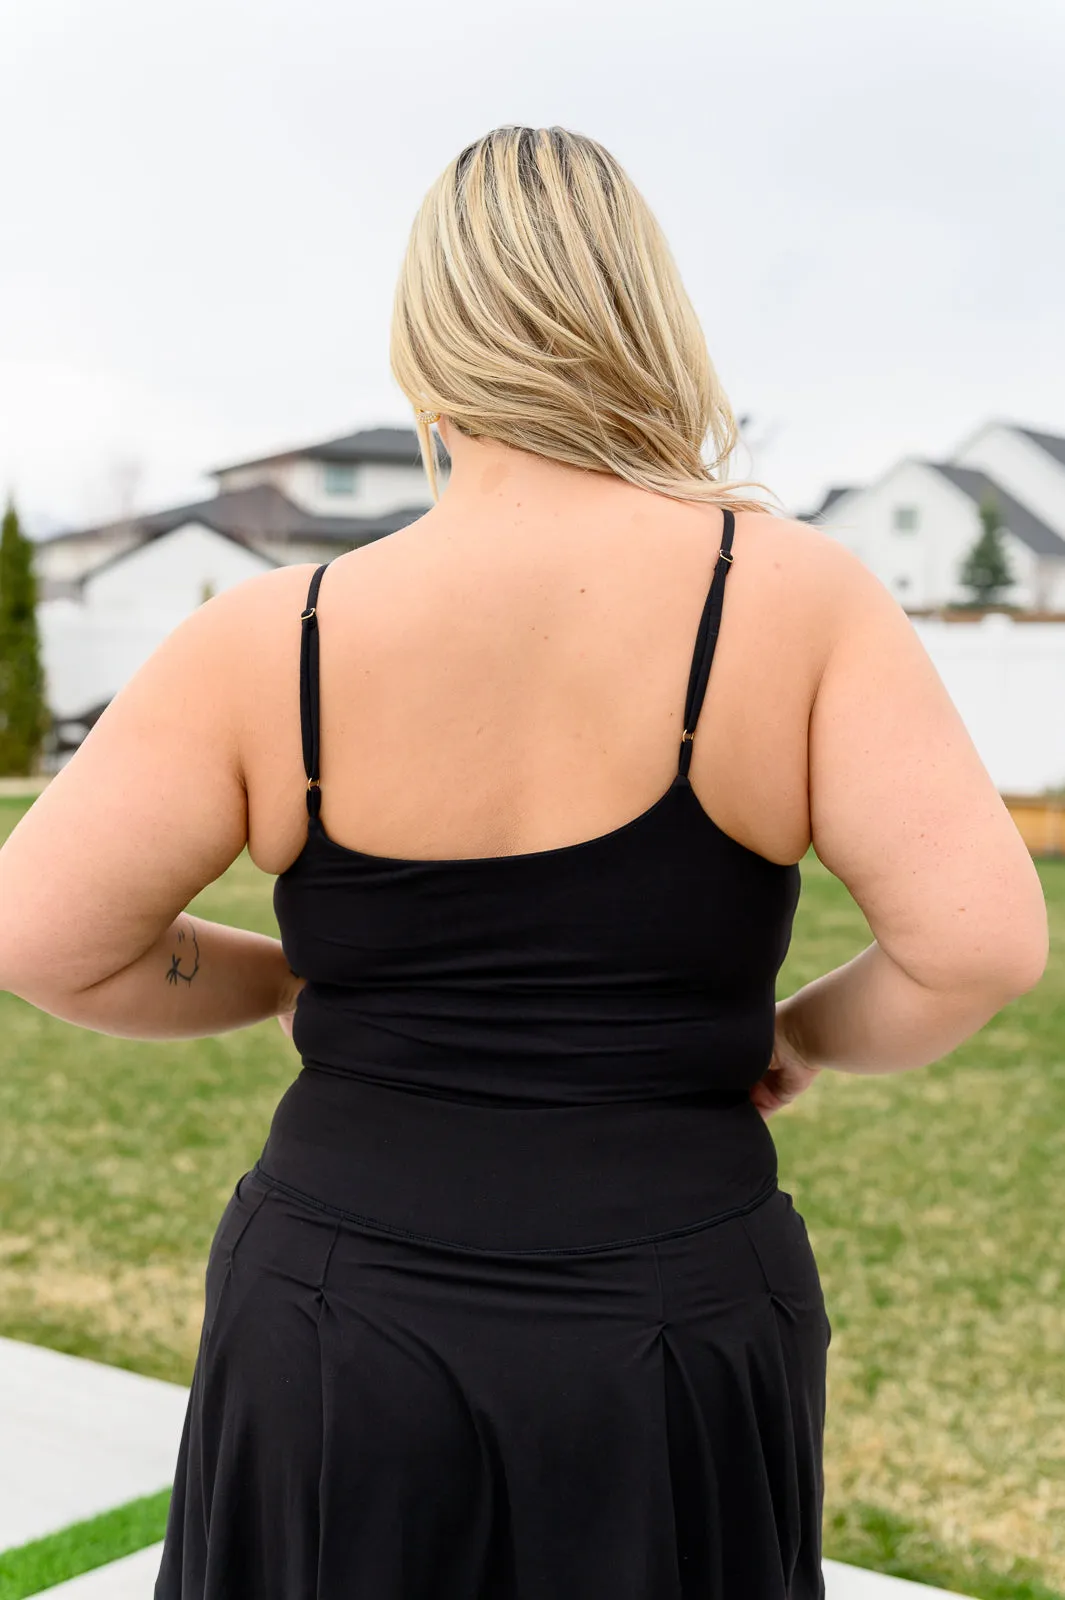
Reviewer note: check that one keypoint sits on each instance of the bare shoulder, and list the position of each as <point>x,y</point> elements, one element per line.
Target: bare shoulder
<point>261,600</point>
<point>247,640</point>
<point>245,628</point>
<point>810,583</point>
<point>797,549</point>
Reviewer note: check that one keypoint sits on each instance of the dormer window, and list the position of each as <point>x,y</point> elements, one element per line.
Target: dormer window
<point>905,519</point>
<point>338,478</point>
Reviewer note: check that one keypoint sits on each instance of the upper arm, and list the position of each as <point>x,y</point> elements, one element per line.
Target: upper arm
<point>149,810</point>
<point>903,810</point>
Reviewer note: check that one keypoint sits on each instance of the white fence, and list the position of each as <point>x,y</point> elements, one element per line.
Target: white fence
<point>1007,680</point>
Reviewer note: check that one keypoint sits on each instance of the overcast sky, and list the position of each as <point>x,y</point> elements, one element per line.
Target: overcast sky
<point>203,206</point>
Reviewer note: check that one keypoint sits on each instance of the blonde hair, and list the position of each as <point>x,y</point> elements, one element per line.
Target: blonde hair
<point>538,304</point>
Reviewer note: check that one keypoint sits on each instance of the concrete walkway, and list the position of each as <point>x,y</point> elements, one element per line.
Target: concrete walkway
<point>132,1578</point>
<point>854,1583</point>
<point>80,1438</point>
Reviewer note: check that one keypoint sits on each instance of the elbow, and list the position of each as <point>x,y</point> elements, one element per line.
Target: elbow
<point>1016,942</point>
<point>1000,964</point>
<point>27,984</point>
<point>1019,953</point>
<point>1027,967</point>
<point>1031,939</point>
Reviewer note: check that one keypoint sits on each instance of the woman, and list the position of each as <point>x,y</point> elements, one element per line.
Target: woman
<point>512,1306</point>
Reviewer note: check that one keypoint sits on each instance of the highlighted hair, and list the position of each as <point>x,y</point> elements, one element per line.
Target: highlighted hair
<point>538,304</point>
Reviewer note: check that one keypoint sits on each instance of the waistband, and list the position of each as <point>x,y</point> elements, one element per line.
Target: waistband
<point>523,1178</point>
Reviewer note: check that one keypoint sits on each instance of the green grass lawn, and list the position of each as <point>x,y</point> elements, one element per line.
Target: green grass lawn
<point>83,1547</point>
<point>934,1201</point>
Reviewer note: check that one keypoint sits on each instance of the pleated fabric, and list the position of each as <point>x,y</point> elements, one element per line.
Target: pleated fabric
<point>380,1416</point>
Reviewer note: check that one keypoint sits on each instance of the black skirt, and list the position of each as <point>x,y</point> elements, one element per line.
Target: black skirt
<point>380,1415</point>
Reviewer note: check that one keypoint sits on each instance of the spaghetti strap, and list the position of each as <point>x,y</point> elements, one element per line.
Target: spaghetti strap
<point>703,655</point>
<point>309,714</point>
<point>705,641</point>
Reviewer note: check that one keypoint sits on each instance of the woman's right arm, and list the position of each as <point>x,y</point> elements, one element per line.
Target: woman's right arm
<point>904,812</point>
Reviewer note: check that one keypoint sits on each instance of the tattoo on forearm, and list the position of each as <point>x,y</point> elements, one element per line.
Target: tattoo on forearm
<point>185,960</point>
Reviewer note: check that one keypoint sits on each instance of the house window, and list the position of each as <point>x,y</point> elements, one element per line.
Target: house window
<point>905,519</point>
<point>339,478</point>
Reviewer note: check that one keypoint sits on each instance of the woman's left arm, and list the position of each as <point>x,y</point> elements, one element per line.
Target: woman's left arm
<point>148,811</point>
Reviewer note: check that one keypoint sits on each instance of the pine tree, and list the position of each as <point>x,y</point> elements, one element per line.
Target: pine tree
<point>24,715</point>
<point>986,569</point>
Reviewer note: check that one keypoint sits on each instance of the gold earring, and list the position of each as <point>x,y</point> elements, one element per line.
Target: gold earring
<point>429,416</point>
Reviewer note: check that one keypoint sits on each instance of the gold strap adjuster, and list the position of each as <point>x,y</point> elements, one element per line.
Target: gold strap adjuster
<point>305,616</point>
<point>725,556</point>
<point>314,783</point>
<point>686,737</point>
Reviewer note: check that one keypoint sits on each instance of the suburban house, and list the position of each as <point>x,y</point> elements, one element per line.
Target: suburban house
<point>109,595</point>
<point>915,525</point>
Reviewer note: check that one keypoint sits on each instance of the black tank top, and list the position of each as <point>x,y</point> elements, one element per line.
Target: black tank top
<point>598,1011</point>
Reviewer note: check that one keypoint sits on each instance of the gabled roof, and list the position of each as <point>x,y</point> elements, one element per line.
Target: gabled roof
<point>1052,443</point>
<point>829,500</point>
<point>396,446</point>
<point>170,522</point>
<point>250,516</point>
<point>1022,523</point>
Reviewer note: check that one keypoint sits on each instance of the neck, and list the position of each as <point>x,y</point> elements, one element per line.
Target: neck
<point>483,469</point>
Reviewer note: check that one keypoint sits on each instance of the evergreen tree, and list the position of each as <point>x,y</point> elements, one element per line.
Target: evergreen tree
<point>24,716</point>
<point>986,570</point>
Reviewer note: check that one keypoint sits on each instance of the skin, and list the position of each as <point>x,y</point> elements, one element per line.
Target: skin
<point>552,715</point>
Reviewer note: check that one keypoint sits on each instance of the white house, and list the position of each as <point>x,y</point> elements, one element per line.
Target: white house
<point>109,595</point>
<point>1027,464</point>
<point>94,642</point>
<point>914,526</point>
<point>362,475</point>
<point>306,504</point>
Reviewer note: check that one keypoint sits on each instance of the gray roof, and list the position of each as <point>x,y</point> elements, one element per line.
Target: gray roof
<point>250,516</point>
<point>1052,443</point>
<point>1022,523</point>
<point>829,500</point>
<point>398,446</point>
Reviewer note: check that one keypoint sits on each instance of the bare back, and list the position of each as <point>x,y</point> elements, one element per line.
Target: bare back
<point>493,689</point>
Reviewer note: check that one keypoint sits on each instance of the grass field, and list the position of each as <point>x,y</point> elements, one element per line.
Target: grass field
<point>935,1202</point>
<point>83,1546</point>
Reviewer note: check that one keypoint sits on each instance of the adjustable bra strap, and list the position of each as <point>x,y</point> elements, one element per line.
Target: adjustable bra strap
<point>705,641</point>
<point>309,717</point>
